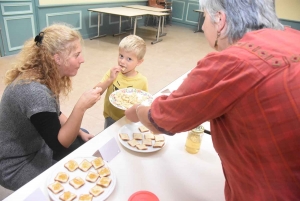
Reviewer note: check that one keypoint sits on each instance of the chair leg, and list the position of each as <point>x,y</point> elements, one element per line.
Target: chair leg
<point>147,20</point>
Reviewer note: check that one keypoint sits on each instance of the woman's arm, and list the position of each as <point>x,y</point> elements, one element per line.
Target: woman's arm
<point>70,127</point>
<point>84,136</point>
<point>47,124</point>
<point>140,113</point>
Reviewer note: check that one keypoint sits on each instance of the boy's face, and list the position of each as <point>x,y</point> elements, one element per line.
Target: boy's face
<point>128,61</point>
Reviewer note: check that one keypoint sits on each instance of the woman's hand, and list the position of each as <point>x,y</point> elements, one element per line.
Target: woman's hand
<point>85,136</point>
<point>131,114</point>
<point>89,98</point>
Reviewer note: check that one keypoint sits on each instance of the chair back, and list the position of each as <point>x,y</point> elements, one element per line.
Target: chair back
<point>153,3</point>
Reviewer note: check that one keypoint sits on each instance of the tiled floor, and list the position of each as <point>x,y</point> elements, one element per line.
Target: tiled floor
<point>165,61</point>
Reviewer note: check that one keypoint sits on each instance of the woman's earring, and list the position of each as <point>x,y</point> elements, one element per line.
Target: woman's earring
<point>216,42</point>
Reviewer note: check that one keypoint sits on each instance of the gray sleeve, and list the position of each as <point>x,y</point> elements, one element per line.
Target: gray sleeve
<point>35,98</point>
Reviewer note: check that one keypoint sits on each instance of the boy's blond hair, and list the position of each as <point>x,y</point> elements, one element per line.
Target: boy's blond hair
<point>133,43</point>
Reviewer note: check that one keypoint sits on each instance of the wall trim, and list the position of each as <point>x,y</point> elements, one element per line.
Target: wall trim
<point>5,19</point>
<point>90,20</point>
<point>289,20</point>
<point>183,9</point>
<point>117,22</point>
<point>65,13</point>
<point>3,5</point>
<point>187,12</point>
<point>15,0</point>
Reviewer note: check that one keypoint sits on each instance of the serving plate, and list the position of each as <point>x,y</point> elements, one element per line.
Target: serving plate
<point>86,187</point>
<point>134,128</point>
<point>121,98</point>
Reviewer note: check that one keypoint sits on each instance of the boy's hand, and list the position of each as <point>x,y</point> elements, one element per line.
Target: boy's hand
<point>114,71</point>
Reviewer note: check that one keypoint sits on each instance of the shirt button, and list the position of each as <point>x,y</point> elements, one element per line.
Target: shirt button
<point>295,58</point>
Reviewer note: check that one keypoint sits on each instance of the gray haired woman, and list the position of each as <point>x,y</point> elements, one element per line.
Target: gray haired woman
<point>249,91</point>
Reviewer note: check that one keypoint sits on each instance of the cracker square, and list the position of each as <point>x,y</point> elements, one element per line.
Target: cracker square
<point>96,190</point>
<point>85,197</point>
<point>67,196</point>
<point>98,162</point>
<point>103,172</point>
<point>71,165</point>
<point>104,182</point>
<point>147,142</point>
<point>124,136</point>
<point>159,138</point>
<point>77,182</point>
<point>56,187</point>
<point>137,136</point>
<point>158,144</point>
<point>92,177</point>
<point>149,136</point>
<point>141,147</point>
<point>133,143</point>
<point>62,177</point>
<point>85,165</point>
<point>143,129</point>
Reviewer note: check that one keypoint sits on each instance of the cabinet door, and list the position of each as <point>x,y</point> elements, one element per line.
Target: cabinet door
<point>17,26</point>
<point>183,12</point>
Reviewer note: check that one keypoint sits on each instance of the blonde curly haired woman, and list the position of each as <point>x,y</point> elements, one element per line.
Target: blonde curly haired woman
<point>33,131</point>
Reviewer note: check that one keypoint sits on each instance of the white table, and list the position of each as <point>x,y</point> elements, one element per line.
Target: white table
<point>132,13</point>
<point>153,9</point>
<point>149,8</point>
<point>170,173</point>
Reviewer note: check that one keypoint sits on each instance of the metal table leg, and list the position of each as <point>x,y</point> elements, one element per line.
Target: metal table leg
<point>130,28</point>
<point>135,23</point>
<point>158,39</point>
<point>98,36</point>
<point>199,21</point>
<point>162,27</point>
<point>120,28</point>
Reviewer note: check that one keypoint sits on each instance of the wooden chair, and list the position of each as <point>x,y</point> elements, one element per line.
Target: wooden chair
<point>153,3</point>
<point>160,4</point>
<point>167,5</point>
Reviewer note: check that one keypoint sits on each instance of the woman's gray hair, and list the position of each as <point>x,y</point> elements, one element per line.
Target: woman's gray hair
<point>243,16</point>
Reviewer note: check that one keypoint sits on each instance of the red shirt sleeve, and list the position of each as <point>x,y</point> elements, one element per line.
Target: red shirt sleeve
<point>209,90</point>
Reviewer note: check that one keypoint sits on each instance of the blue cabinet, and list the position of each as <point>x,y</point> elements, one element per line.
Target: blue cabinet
<point>183,12</point>
<point>17,25</point>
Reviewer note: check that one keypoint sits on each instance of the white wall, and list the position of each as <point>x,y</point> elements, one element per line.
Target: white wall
<point>288,9</point>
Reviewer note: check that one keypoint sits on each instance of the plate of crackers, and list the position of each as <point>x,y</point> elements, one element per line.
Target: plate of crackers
<point>88,178</point>
<point>127,97</point>
<point>137,137</point>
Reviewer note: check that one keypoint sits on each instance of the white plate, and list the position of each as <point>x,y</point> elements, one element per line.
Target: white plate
<point>142,95</point>
<point>86,187</point>
<point>134,128</point>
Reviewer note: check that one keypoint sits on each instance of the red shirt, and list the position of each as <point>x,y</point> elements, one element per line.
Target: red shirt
<point>250,92</point>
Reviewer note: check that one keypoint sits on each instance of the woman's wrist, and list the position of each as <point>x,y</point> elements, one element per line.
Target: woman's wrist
<point>136,109</point>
